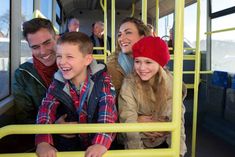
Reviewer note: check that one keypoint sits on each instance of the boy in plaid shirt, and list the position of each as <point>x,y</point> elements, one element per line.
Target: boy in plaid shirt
<point>81,92</point>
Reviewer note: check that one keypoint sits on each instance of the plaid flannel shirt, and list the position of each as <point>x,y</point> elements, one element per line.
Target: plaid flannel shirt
<point>107,112</point>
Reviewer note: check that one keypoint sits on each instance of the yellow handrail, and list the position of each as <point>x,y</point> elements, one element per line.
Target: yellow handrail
<point>113,26</point>
<point>185,57</point>
<point>132,8</point>
<point>157,17</point>
<point>84,128</point>
<point>178,68</point>
<point>110,153</point>
<point>93,128</point>
<point>221,30</point>
<point>196,80</point>
<point>144,11</point>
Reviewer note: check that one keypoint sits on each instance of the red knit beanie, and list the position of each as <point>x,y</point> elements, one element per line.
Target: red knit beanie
<point>152,47</point>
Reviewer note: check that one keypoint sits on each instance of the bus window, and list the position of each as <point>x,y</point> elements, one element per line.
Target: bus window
<point>4,48</point>
<point>27,14</point>
<point>226,4</point>
<point>46,8</point>
<point>27,10</point>
<point>223,45</point>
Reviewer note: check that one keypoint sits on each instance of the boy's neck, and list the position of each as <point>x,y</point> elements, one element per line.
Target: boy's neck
<point>79,79</point>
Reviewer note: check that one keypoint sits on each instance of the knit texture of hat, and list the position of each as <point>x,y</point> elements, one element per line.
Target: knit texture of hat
<point>152,47</point>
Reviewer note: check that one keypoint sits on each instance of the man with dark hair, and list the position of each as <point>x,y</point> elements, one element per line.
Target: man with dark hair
<point>33,77</point>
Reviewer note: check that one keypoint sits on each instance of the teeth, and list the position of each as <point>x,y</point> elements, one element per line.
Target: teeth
<point>65,69</point>
<point>125,44</point>
<point>46,57</point>
<point>143,73</point>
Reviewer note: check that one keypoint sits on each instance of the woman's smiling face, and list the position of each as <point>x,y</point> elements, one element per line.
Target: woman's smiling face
<point>128,35</point>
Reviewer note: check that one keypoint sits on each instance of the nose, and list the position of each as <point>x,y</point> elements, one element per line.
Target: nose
<point>61,60</point>
<point>121,37</point>
<point>43,50</point>
<point>142,66</point>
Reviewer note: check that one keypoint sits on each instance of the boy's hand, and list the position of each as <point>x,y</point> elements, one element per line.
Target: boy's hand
<point>96,150</point>
<point>61,120</point>
<point>45,150</point>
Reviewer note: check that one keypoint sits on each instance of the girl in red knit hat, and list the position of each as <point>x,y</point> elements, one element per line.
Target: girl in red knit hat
<point>146,95</point>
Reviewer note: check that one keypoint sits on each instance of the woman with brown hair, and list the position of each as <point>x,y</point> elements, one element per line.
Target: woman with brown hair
<point>120,63</point>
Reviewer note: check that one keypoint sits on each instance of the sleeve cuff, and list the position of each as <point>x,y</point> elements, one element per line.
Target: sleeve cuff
<point>43,138</point>
<point>104,139</point>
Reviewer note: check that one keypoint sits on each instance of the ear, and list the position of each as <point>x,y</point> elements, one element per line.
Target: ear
<point>89,59</point>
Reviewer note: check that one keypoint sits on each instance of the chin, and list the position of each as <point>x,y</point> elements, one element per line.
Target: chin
<point>127,52</point>
<point>144,78</point>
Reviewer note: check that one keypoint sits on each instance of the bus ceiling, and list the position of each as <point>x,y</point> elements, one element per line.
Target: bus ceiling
<point>166,6</point>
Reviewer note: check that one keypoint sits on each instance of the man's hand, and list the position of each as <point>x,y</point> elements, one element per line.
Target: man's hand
<point>96,150</point>
<point>45,150</point>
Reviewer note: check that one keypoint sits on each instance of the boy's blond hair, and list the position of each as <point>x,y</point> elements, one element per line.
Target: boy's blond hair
<point>77,38</point>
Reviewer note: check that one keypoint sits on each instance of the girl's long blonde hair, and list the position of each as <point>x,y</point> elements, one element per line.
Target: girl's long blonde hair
<point>158,86</point>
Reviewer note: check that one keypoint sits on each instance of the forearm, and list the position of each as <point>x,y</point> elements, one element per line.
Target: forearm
<point>104,139</point>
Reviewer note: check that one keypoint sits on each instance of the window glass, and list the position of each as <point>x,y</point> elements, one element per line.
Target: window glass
<point>223,22</point>
<point>4,48</point>
<point>58,10</point>
<point>218,5</point>
<point>223,45</point>
<point>27,14</point>
<point>166,24</point>
<point>46,8</point>
<point>27,10</point>
<point>190,26</point>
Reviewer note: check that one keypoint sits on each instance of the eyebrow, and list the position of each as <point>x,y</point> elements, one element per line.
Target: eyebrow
<point>124,30</point>
<point>46,41</point>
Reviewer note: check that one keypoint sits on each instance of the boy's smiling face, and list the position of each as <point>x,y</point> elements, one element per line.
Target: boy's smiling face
<point>72,63</point>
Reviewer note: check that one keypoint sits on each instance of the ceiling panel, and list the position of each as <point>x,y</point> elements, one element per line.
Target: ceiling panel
<point>166,6</point>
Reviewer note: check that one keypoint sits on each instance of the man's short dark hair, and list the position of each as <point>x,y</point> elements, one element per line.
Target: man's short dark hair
<point>33,25</point>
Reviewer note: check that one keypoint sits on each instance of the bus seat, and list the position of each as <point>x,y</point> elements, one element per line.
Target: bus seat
<point>229,113</point>
<point>220,78</point>
<point>215,102</point>
<point>233,82</point>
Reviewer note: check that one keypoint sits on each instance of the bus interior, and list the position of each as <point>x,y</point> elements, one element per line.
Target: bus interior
<point>208,58</point>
